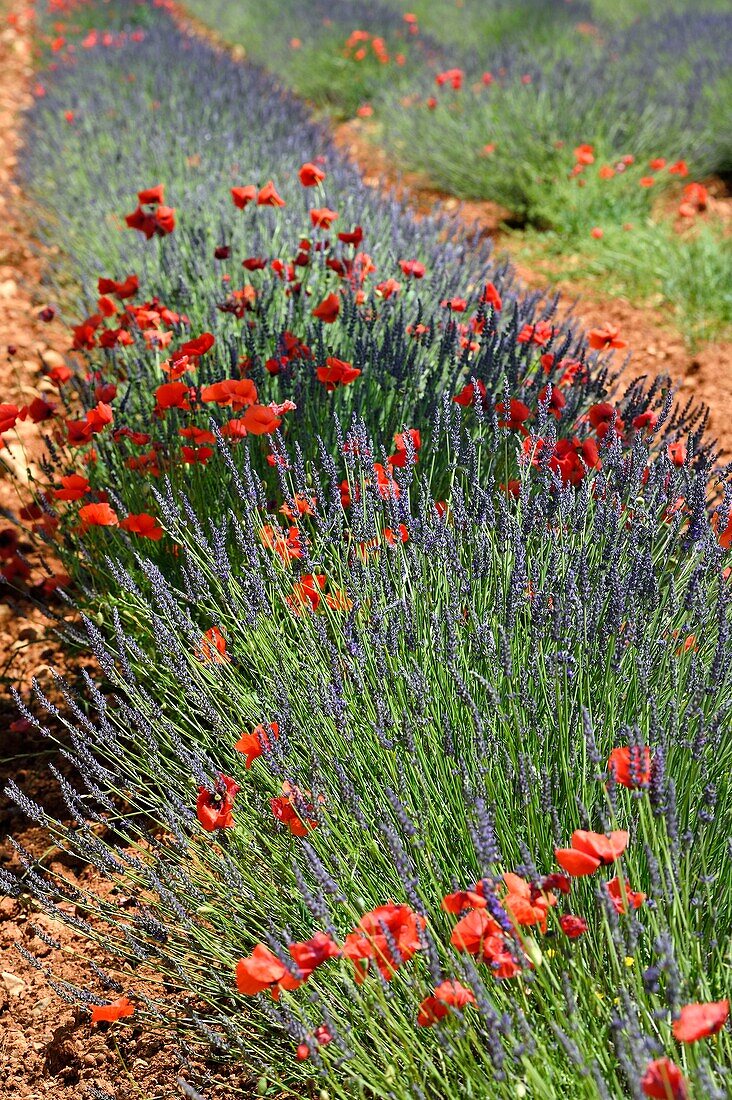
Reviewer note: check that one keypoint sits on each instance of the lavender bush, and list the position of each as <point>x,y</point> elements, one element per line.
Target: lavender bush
<point>408,344</point>
<point>445,707</point>
<point>492,101</point>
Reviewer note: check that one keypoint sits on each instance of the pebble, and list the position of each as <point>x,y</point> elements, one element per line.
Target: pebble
<point>12,983</point>
<point>53,358</point>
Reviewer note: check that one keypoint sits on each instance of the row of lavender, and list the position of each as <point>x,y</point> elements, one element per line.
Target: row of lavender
<point>412,737</point>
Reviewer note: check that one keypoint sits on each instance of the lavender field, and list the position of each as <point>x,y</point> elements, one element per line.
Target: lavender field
<point>386,752</point>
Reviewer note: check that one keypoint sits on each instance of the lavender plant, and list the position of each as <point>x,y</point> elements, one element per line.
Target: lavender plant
<point>438,713</point>
<point>408,339</point>
<point>499,97</point>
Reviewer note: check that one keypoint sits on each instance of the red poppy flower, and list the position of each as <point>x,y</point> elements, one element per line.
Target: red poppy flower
<point>74,487</point>
<point>138,439</point>
<point>172,395</point>
<point>573,927</point>
<point>310,175</point>
<point>97,515</point>
<point>677,452</point>
<point>152,196</point>
<point>307,592</point>
<point>663,1080</point>
<point>286,544</point>
<point>198,346</point>
<point>389,935</point>
<point>253,744</point>
<point>159,222</point>
<point>322,1037</point>
<point>412,269</point>
<point>322,217</point>
<point>466,397</point>
<point>213,647</point>
<point>336,372</point>
<point>590,851</point>
<point>631,766</point>
<point>237,392</point>
<point>453,77</point>
<point>242,196</point>
<point>385,486</point>
<point>455,305</point>
<point>115,337</point>
<point>447,995</point>
<point>498,956</point>
<point>125,289</point>
<point>254,263</point>
<point>192,456</point>
<point>147,463</point>
<point>238,302</point>
<point>400,535</point>
<point>355,237</point>
<point>310,954</point>
<point>399,458</point>
<point>59,375</point>
<point>98,417</point>
<point>388,288</point>
<point>570,458</point>
<point>214,808</point>
<point>144,525</point>
<point>517,411</point>
<point>259,971</point>
<point>197,436</point>
<point>600,339</point>
<point>557,401</point>
<point>464,899</point>
<point>39,410</point>
<point>525,905</point>
<point>109,1013</point>
<point>723,534</point>
<point>624,899</point>
<point>679,168</point>
<point>698,1021</point>
<point>293,809</point>
<point>540,334</point>
<point>268,196</point>
<point>328,310</point>
<point>105,392</point>
<point>584,154</point>
<point>304,506</point>
<point>260,420</point>
<point>338,601</point>
<point>471,931</point>
<point>84,333</point>
<point>645,420</point>
<point>492,297</point>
